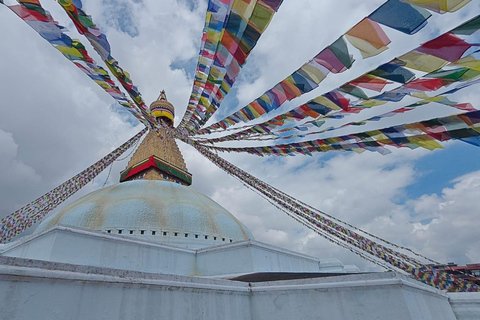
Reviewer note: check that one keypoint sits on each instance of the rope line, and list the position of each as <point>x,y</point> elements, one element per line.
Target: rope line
<point>339,232</point>
<point>22,219</point>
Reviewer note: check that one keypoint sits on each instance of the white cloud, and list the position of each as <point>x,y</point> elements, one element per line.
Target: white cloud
<point>17,177</point>
<point>455,221</point>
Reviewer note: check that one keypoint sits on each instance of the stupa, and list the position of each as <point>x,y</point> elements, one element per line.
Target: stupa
<point>152,247</point>
<point>153,201</point>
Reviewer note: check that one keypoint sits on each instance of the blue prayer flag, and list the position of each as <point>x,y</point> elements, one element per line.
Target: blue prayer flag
<point>401,16</point>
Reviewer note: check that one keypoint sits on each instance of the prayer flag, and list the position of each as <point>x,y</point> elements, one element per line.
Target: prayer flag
<point>469,62</point>
<point>420,61</point>
<point>453,74</point>
<point>393,72</point>
<point>354,91</point>
<point>335,57</point>
<point>468,28</point>
<point>368,37</point>
<point>401,16</point>
<point>369,82</point>
<point>440,6</point>
<point>425,84</point>
<point>447,47</point>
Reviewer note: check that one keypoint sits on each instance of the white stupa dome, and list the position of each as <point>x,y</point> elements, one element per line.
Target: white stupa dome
<point>159,211</point>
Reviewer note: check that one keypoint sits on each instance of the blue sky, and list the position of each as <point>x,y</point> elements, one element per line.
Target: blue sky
<point>438,169</point>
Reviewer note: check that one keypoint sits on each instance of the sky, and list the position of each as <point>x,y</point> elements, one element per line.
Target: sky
<point>55,122</point>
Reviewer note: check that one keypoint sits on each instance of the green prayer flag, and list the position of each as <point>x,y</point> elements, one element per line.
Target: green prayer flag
<point>318,123</point>
<point>86,21</point>
<point>340,50</point>
<point>468,28</point>
<point>455,74</point>
<point>34,7</point>
<point>354,91</point>
<point>261,16</point>
<point>470,75</point>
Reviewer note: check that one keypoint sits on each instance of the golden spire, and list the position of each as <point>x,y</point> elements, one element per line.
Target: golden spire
<point>158,157</point>
<point>162,109</point>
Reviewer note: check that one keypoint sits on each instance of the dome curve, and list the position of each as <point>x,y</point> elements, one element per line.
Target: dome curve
<point>159,211</point>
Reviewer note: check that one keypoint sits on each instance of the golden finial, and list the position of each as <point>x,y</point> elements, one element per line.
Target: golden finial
<point>163,109</point>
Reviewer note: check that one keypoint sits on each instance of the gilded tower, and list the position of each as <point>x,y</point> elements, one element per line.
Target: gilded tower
<point>158,156</point>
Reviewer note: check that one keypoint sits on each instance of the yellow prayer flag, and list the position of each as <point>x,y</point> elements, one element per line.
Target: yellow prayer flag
<point>440,5</point>
<point>368,37</point>
<point>326,148</point>
<point>101,71</point>
<point>103,84</point>
<point>420,95</point>
<point>469,62</point>
<point>217,72</point>
<point>377,135</point>
<point>422,62</point>
<point>202,77</point>
<point>225,87</point>
<point>213,36</point>
<point>244,8</point>
<point>69,51</point>
<point>366,49</point>
<point>415,127</point>
<point>358,150</point>
<point>373,103</point>
<point>326,102</point>
<point>261,16</point>
<point>425,98</point>
<point>208,16</point>
<point>425,142</point>
<point>333,140</point>
<point>204,101</point>
<point>67,4</point>
<point>314,73</point>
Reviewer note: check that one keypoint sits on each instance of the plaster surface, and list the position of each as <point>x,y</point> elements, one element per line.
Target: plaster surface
<point>465,305</point>
<point>158,211</point>
<point>66,273</point>
<point>46,290</point>
<point>99,249</point>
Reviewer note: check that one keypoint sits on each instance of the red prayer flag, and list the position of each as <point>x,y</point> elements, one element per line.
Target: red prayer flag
<point>447,47</point>
<point>370,82</point>
<point>27,14</point>
<point>425,84</point>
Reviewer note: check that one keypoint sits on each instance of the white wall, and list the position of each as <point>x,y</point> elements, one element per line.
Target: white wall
<point>465,305</point>
<point>86,247</point>
<point>51,295</point>
<point>102,250</point>
<point>50,291</point>
<point>357,297</point>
